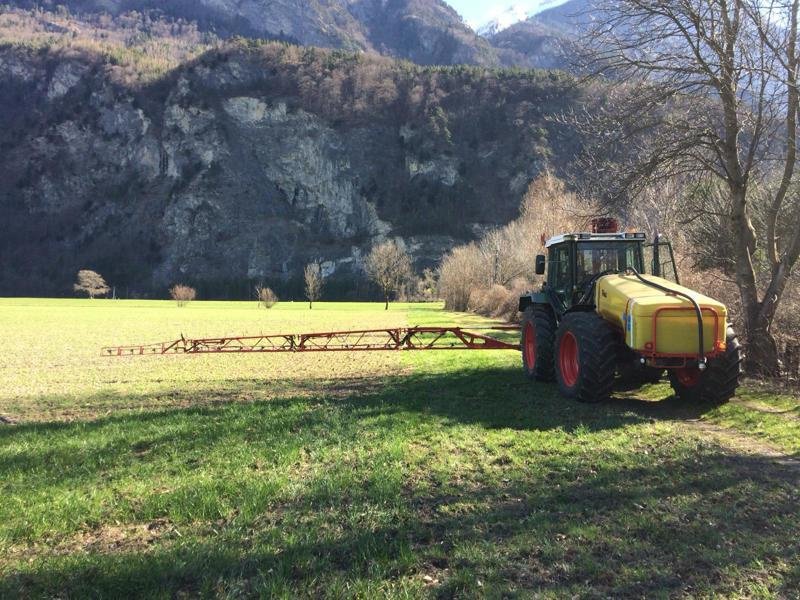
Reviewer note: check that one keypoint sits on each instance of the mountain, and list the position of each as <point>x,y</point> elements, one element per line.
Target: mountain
<point>503,18</point>
<point>506,18</point>
<point>570,18</point>
<point>543,40</point>
<point>423,31</point>
<point>149,152</point>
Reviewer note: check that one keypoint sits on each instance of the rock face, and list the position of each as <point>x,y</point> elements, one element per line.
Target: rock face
<point>250,162</point>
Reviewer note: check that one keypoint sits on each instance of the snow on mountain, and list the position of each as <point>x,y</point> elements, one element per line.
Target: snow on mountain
<point>501,17</point>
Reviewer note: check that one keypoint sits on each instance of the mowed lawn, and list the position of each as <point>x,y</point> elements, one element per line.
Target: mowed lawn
<point>430,474</point>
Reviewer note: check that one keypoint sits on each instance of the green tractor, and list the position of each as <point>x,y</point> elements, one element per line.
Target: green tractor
<point>612,305</point>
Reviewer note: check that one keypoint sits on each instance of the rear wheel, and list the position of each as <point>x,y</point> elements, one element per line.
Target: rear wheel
<point>538,338</point>
<point>586,356</point>
<point>718,383</point>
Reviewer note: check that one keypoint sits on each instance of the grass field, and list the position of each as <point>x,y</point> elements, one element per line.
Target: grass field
<point>368,474</point>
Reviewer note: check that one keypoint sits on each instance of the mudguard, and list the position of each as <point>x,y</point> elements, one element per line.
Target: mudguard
<point>532,298</point>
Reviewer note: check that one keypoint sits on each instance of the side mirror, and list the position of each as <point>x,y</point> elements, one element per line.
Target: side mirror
<point>540,264</point>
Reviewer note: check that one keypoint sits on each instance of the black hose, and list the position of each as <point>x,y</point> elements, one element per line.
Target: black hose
<point>588,289</point>
<point>697,310</point>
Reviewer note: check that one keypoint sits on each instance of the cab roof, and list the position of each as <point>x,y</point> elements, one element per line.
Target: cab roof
<point>594,237</point>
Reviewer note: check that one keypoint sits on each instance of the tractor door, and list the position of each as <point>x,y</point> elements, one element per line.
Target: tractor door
<point>560,273</point>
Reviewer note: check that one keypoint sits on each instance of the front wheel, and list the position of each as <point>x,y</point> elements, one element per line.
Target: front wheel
<point>720,380</point>
<point>586,357</point>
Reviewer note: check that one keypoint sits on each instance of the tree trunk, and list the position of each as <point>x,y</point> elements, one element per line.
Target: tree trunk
<point>762,352</point>
<point>309,304</point>
<point>387,303</point>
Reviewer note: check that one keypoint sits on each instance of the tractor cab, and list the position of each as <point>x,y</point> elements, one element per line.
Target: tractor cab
<point>577,260</point>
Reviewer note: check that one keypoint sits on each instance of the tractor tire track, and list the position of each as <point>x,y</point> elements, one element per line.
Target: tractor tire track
<point>744,449</point>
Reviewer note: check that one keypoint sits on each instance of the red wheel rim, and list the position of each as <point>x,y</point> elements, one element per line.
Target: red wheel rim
<point>688,376</point>
<point>568,359</point>
<point>529,346</point>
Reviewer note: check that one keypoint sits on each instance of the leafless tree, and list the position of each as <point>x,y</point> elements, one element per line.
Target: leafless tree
<point>182,294</point>
<point>706,90</point>
<point>266,297</point>
<point>462,271</point>
<point>472,276</point>
<point>389,266</point>
<point>91,283</point>
<point>313,282</point>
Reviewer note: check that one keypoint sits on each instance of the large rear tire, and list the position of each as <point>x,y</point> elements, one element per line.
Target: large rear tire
<point>537,343</point>
<point>718,383</point>
<point>586,357</point>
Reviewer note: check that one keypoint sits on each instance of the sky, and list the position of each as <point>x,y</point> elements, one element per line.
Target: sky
<point>478,12</point>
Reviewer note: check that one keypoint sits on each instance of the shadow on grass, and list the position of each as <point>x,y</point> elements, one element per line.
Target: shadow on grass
<point>492,397</point>
<point>489,398</point>
<point>525,511</point>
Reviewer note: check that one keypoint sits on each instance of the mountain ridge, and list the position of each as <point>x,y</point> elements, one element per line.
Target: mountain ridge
<point>423,31</point>
<point>426,32</point>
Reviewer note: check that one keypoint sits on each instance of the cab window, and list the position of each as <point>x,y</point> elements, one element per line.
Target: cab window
<point>597,257</point>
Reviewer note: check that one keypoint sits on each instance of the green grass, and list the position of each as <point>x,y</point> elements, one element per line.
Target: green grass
<point>432,474</point>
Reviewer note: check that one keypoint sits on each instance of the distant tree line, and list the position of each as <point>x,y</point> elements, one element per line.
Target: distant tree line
<point>388,266</point>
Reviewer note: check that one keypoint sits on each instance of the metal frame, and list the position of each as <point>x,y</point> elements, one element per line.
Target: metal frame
<point>403,338</point>
<point>595,237</point>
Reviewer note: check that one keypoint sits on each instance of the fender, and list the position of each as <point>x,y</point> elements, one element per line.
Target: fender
<point>532,298</point>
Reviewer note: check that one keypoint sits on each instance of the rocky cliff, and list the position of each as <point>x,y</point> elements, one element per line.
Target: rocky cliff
<point>248,162</point>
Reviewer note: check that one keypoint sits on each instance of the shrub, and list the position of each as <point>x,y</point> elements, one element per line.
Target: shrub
<point>266,297</point>
<point>463,270</point>
<point>499,301</point>
<point>182,294</point>
<point>485,301</point>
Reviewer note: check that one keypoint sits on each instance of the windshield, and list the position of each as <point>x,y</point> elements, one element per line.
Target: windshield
<point>597,257</point>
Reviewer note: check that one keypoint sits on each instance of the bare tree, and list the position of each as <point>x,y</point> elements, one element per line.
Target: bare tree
<point>389,266</point>
<point>91,283</point>
<point>462,270</point>
<point>313,282</point>
<point>474,274</point>
<point>182,294</point>
<point>707,90</point>
<point>266,297</point>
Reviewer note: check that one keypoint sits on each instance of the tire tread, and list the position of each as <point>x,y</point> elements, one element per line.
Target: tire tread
<point>597,348</point>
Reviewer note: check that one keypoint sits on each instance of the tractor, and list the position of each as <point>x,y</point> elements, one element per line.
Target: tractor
<point>612,307</point>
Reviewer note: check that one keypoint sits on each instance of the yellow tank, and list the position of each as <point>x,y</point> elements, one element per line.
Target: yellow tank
<point>635,307</point>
